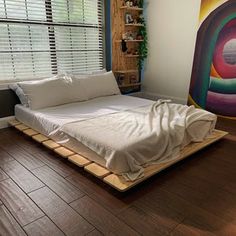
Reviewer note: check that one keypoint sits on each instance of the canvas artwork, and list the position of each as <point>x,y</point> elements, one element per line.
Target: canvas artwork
<point>213,81</point>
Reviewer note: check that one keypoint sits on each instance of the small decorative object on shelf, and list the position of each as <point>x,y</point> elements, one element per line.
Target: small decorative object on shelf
<point>129,19</point>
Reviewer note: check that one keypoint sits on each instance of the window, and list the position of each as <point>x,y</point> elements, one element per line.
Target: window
<point>39,38</point>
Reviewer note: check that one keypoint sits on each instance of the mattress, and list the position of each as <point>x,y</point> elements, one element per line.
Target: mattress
<point>48,121</point>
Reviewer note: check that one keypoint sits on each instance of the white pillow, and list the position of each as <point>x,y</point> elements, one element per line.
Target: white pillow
<point>19,92</point>
<point>100,85</point>
<point>52,92</point>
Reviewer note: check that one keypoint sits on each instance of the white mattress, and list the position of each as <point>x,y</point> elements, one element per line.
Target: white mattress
<point>48,121</point>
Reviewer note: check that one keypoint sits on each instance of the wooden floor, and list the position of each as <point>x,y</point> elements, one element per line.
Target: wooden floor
<point>42,194</point>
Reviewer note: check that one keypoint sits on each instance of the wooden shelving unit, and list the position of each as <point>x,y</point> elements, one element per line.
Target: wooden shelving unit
<point>125,65</point>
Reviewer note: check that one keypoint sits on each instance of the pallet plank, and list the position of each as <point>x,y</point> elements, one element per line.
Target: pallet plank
<point>51,144</point>
<point>40,138</point>
<point>14,122</point>
<point>64,152</point>
<point>79,160</point>
<point>21,127</point>
<point>97,170</point>
<point>30,132</point>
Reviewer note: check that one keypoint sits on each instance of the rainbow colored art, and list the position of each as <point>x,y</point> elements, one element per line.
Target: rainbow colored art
<point>213,81</point>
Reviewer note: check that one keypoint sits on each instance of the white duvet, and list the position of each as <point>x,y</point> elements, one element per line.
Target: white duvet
<point>130,139</point>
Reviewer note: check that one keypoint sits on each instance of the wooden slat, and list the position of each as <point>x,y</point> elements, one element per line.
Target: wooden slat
<point>97,170</point>
<point>51,144</point>
<point>64,152</point>
<point>119,183</point>
<point>30,132</point>
<point>79,160</point>
<point>21,127</point>
<point>40,138</point>
<point>14,122</point>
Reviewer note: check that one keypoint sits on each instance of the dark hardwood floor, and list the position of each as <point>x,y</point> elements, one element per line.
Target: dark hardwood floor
<point>42,194</point>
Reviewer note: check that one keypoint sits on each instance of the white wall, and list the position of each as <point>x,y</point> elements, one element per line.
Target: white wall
<point>172,29</point>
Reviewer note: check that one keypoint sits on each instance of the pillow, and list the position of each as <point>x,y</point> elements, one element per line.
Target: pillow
<point>19,92</point>
<point>100,85</point>
<point>52,92</point>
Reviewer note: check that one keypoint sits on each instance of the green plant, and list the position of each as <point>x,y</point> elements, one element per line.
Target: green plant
<point>143,46</point>
<point>140,3</point>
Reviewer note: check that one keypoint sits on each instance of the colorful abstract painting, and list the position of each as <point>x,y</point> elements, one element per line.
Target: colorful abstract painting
<point>213,81</point>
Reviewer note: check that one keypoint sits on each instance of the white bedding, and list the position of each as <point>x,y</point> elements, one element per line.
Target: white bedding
<point>122,132</point>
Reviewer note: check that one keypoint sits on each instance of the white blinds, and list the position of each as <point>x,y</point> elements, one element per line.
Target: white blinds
<point>39,38</point>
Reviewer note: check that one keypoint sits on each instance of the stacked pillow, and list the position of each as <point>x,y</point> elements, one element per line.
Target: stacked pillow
<point>60,90</point>
<point>99,85</point>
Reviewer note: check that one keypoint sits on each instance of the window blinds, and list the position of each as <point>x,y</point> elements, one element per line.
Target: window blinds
<point>39,38</point>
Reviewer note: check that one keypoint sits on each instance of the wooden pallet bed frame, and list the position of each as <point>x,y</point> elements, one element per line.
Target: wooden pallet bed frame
<point>116,181</point>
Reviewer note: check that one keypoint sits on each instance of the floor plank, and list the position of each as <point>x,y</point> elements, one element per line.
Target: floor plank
<point>58,184</point>
<point>70,222</point>
<point>25,158</point>
<point>146,223</point>
<point>94,233</point>
<point>24,142</point>
<point>3,175</point>
<point>5,157</point>
<point>18,203</point>
<point>200,222</point>
<point>24,178</point>
<point>8,225</point>
<point>98,191</point>
<point>99,217</point>
<point>43,227</point>
<point>164,207</point>
<point>54,163</point>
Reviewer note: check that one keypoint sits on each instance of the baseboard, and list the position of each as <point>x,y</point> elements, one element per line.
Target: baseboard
<point>4,121</point>
<point>156,96</point>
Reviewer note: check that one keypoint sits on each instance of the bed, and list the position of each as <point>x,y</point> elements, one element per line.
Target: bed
<point>120,139</point>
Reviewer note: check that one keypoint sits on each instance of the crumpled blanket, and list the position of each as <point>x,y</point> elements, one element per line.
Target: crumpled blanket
<point>131,139</point>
